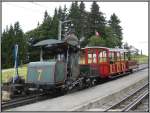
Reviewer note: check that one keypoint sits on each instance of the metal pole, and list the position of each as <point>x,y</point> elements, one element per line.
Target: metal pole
<point>16,62</point>
<point>59,27</point>
<point>59,36</point>
<point>59,30</point>
<point>41,54</point>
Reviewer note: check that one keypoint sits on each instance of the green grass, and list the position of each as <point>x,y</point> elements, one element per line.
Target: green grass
<point>6,75</point>
<point>142,59</point>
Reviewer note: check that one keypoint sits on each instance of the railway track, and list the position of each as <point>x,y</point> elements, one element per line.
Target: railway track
<point>31,99</point>
<point>130,102</point>
<point>22,101</point>
<point>143,105</point>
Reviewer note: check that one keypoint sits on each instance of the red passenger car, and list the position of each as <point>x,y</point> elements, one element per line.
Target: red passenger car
<point>105,62</point>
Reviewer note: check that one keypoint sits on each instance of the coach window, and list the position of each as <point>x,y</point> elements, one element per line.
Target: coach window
<point>122,56</point>
<point>126,56</point>
<point>133,55</point>
<point>82,57</point>
<point>103,56</point>
<point>118,56</point>
<point>94,58</point>
<point>111,56</point>
<point>89,58</point>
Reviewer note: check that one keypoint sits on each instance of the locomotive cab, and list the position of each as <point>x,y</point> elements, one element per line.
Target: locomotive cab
<point>47,73</point>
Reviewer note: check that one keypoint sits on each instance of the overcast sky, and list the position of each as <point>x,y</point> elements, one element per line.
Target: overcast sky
<point>133,16</point>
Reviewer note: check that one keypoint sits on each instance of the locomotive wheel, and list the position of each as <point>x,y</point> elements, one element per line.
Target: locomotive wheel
<point>12,91</point>
<point>88,83</point>
<point>93,82</point>
<point>26,91</point>
<point>81,85</point>
<point>63,91</point>
<point>60,90</point>
<point>131,70</point>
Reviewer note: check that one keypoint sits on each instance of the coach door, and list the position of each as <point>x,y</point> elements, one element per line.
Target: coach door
<point>103,61</point>
<point>112,62</point>
<point>118,62</point>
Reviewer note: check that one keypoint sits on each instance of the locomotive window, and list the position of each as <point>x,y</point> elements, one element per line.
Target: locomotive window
<point>48,56</point>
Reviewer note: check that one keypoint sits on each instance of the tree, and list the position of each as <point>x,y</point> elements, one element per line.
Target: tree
<point>45,28</point>
<point>96,41</point>
<point>64,13</point>
<point>21,41</point>
<point>111,40</point>
<point>54,26</point>
<point>85,24</point>
<point>126,46</point>
<point>97,20</point>
<point>74,15</point>
<point>4,48</point>
<point>43,31</point>
<point>10,37</point>
<point>45,15</point>
<point>117,30</point>
<point>82,19</point>
<point>7,46</point>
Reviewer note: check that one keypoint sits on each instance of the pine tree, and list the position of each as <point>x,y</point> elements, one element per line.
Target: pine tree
<point>21,41</point>
<point>45,15</point>
<point>74,15</point>
<point>60,13</point>
<point>4,45</point>
<point>111,40</point>
<point>117,30</point>
<point>82,19</point>
<point>96,41</point>
<point>13,35</point>
<point>54,25</point>
<point>64,14</point>
<point>96,19</point>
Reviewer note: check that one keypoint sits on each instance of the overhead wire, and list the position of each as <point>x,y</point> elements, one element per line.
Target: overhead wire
<point>25,8</point>
<point>35,3</point>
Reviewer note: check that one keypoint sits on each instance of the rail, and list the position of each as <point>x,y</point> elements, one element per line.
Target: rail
<point>131,104</point>
<point>21,101</point>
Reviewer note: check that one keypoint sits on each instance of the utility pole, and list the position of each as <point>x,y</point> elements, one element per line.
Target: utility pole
<point>60,27</point>
<point>59,30</point>
<point>141,52</point>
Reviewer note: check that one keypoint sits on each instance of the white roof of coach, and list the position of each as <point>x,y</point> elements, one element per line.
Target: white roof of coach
<point>110,49</point>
